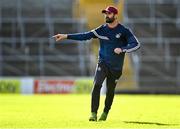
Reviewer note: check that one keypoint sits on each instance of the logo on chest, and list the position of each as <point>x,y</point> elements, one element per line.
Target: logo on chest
<point>118,35</point>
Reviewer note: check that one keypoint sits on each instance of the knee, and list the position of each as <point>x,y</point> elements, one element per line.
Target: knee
<point>110,90</point>
<point>97,87</point>
<point>97,84</point>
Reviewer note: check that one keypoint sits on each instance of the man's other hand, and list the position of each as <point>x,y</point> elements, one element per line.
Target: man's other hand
<point>118,50</point>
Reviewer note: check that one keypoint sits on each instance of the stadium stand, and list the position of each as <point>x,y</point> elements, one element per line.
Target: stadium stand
<point>27,48</point>
<point>156,24</point>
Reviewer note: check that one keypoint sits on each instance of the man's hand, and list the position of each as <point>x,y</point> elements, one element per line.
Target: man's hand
<point>118,50</point>
<point>60,37</point>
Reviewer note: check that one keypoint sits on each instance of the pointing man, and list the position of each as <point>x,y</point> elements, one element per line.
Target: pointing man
<point>115,40</point>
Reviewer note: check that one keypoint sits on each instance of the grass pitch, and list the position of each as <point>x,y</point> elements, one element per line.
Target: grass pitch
<point>73,111</point>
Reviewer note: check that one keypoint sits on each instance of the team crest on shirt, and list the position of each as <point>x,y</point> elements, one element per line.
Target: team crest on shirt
<point>118,35</point>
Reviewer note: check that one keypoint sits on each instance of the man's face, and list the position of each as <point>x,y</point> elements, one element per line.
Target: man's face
<point>109,17</point>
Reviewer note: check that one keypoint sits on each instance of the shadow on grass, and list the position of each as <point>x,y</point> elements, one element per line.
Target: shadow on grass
<point>150,123</point>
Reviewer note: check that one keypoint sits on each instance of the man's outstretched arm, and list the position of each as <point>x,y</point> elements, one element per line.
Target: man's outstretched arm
<point>76,36</point>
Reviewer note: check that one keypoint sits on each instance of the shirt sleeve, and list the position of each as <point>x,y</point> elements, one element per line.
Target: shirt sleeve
<point>81,36</point>
<point>86,35</point>
<point>132,42</point>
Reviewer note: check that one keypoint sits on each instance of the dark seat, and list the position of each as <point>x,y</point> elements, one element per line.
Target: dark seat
<point>35,30</point>
<point>6,30</point>
<point>170,30</point>
<point>166,11</point>
<point>174,49</point>
<point>138,11</point>
<point>145,30</point>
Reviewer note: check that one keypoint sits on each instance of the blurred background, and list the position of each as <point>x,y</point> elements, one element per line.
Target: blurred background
<point>32,62</point>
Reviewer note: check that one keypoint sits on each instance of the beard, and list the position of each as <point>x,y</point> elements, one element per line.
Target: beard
<point>110,20</point>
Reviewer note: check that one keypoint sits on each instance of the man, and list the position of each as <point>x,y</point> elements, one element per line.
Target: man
<point>115,41</point>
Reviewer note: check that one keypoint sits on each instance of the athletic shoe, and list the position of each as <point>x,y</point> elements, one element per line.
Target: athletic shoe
<point>103,116</point>
<point>93,117</point>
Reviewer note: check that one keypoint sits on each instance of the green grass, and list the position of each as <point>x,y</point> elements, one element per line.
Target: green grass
<point>72,111</point>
